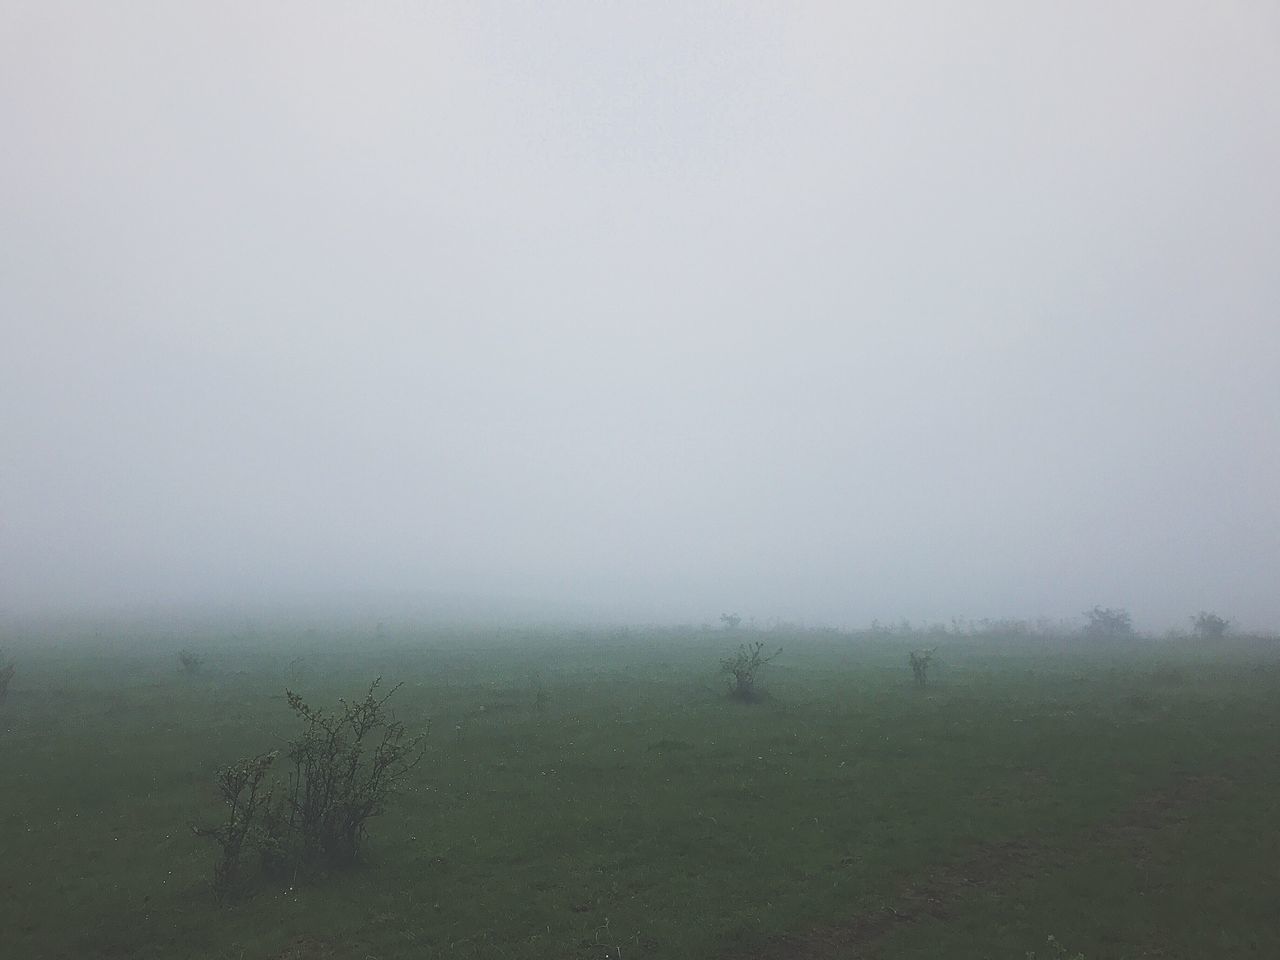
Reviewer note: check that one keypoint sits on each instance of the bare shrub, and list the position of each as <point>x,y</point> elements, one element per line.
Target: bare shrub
<point>741,669</point>
<point>345,766</point>
<point>920,661</point>
<point>248,798</point>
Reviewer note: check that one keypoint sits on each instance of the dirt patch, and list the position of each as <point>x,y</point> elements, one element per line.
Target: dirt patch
<point>305,948</point>
<point>1163,808</point>
<point>934,895</point>
<point>940,892</point>
<point>320,948</point>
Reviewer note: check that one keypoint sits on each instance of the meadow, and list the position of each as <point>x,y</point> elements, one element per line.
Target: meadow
<point>596,794</point>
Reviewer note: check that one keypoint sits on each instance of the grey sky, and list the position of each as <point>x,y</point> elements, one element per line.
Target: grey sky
<point>822,310</point>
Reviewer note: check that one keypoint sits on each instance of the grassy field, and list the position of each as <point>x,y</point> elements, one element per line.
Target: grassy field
<point>1123,798</point>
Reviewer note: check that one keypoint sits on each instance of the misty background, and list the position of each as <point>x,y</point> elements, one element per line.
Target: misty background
<point>650,310</point>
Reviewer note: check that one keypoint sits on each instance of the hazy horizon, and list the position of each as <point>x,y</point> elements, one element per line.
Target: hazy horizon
<point>809,311</point>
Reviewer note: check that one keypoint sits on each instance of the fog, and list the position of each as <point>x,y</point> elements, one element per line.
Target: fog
<point>812,310</point>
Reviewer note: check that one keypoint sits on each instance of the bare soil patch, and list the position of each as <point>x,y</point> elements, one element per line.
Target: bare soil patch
<point>940,892</point>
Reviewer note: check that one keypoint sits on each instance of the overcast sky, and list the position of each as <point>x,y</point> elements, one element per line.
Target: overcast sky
<point>821,310</point>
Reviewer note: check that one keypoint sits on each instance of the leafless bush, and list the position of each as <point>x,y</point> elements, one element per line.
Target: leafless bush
<point>248,797</point>
<point>742,667</point>
<point>920,663</point>
<point>345,766</point>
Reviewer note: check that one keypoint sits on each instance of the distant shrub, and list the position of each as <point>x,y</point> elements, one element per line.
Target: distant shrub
<point>345,767</point>
<point>741,669</point>
<point>190,662</point>
<point>6,675</point>
<point>1108,623</point>
<point>920,662</point>
<point>248,797</point>
<point>540,695</point>
<point>1209,626</point>
<point>730,621</point>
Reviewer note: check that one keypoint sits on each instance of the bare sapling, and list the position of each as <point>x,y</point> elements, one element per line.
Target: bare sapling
<point>921,660</point>
<point>248,798</point>
<point>742,667</point>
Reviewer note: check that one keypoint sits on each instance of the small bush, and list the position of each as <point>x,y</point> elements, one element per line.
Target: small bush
<point>1209,626</point>
<point>345,766</point>
<point>920,661</point>
<point>190,662</point>
<point>730,621</point>
<point>742,667</point>
<point>248,798</point>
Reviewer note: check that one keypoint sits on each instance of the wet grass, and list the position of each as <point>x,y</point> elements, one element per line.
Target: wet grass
<point>590,796</point>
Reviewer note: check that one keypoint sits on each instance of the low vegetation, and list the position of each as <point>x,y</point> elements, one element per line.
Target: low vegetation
<point>243,787</point>
<point>1122,796</point>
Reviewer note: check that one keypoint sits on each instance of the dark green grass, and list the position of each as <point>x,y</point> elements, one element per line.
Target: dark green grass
<point>638,808</point>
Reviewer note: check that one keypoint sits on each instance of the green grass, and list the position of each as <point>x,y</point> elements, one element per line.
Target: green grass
<point>1124,800</point>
